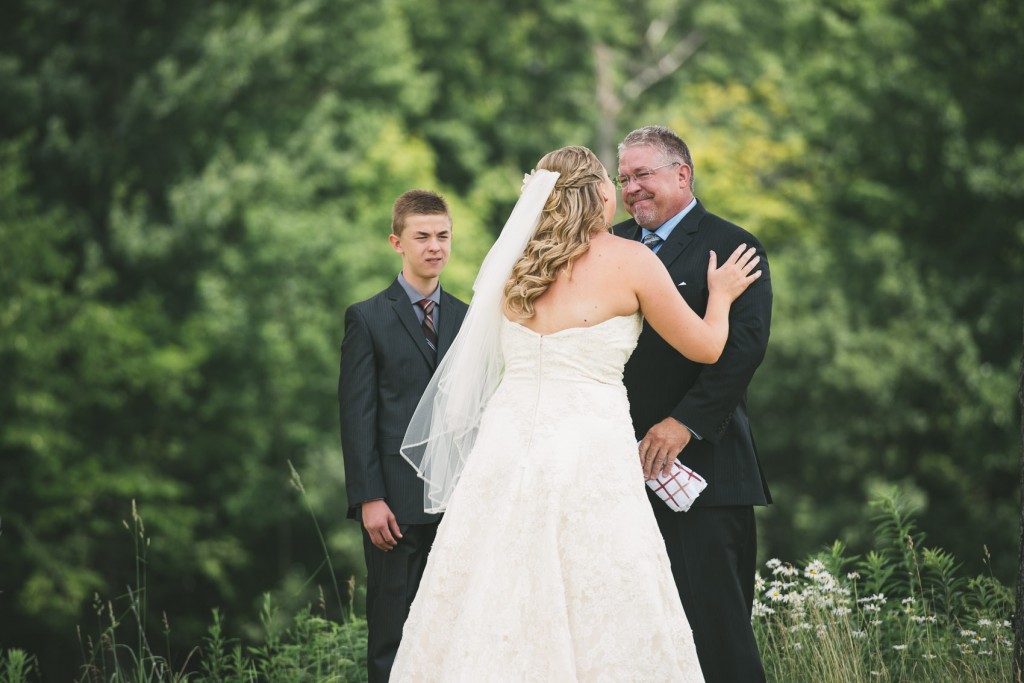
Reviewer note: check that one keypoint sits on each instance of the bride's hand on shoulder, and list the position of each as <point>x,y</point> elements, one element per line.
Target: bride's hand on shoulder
<point>734,276</point>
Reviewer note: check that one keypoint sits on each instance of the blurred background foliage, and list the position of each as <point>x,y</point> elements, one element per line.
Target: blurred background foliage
<point>191,193</point>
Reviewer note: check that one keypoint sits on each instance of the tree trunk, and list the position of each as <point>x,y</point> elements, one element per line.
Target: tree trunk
<point>609,105</point>
<point>611,98</point>
<point>1018,639</point>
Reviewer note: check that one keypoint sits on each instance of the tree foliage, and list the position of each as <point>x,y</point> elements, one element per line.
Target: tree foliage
<point>191,193</point>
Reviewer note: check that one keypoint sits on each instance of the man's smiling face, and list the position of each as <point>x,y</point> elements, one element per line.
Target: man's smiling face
<point>662,194</point>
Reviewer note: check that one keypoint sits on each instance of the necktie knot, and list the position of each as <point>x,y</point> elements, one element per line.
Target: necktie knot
<point>652,240</point>
<point>429,329</point>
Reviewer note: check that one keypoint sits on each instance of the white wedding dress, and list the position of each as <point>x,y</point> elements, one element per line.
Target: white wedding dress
<point>548,564</point>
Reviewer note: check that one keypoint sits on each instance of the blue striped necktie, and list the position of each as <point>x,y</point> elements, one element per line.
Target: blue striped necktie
<point>652,240</point>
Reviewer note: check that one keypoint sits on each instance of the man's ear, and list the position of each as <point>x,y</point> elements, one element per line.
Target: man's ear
<point>685,172</point>
<point>396,243</point>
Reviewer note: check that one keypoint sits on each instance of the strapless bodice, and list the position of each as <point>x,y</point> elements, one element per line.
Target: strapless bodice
<point>577,354</point>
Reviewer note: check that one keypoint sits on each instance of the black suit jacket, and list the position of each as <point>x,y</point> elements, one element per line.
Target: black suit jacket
<point>709,399</point>
<point>385,366</point>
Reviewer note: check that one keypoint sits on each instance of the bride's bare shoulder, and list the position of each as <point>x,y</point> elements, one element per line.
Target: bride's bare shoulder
<point>607,240</point>
<point>626,252</point>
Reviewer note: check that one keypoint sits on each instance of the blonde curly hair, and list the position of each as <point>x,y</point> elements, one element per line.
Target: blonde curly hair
<point>573,212</point>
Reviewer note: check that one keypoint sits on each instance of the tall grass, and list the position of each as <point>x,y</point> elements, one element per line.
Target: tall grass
<point>310,648</point>
<point>899,613</point>
<point>902,612</point>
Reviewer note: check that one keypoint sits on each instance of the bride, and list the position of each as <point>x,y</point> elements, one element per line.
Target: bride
<point>548,564</point>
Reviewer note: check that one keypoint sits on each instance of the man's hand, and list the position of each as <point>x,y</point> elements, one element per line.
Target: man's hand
<point>662,445</point>
<point>381,524</point>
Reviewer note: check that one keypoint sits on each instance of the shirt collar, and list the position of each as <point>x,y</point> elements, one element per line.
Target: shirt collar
<point>414,295</point>
<point>668,226</point>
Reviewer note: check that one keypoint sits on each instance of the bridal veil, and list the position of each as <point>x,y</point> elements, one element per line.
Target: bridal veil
<point>443,429</point>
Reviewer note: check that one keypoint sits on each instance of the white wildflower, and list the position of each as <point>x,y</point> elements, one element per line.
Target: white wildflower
<point>828,582</point>
<point>826,600</point>
<point>760,609</point>
<point>815,570</point>
<point>899,647</point>
<point>786,570</point>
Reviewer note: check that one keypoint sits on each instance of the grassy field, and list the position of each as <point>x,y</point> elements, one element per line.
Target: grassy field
<point>901,612</point>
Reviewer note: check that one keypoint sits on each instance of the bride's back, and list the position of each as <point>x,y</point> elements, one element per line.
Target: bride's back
<point>597,287</point>
<point>573,272</point>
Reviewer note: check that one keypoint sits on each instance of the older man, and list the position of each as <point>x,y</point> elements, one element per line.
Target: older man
<point>697,413</point>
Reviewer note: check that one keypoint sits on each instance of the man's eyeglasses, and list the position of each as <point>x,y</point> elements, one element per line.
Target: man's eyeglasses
<point>621,181</point>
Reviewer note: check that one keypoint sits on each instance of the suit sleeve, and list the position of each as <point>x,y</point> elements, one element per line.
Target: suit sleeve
<point>708,406</point>
<point>357,407</point>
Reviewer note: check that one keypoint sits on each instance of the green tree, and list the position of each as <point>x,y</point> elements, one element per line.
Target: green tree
<point>849,138</point>
<point>893,354</point>
<point>218,182</point>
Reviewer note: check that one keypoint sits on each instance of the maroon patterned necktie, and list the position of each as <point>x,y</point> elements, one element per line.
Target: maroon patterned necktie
<point>429,331</point>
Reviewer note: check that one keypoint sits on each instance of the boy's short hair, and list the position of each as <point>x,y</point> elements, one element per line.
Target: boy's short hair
<point>417,203</point>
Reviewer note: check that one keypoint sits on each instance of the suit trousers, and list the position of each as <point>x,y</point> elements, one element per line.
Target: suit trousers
<point>713,553</point>
<point>392,579</point>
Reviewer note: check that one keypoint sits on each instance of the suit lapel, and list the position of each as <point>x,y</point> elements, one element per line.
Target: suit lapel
<point>403,310</point>
<point>682,235</point>
<point>628,230</point>
<point>446,334</point>
<point>677,242</point>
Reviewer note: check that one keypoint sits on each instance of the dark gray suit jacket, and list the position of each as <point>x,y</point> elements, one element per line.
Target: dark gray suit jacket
<point>709,399</point>
<point>385,366</point>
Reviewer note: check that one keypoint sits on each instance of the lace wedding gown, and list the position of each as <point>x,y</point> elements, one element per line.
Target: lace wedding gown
<point>548,564</point>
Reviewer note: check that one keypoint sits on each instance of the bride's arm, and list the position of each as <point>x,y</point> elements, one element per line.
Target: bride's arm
<point>700,340</point>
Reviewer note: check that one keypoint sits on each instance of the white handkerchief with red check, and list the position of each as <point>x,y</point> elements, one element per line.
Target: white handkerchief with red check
<point>679,488</point>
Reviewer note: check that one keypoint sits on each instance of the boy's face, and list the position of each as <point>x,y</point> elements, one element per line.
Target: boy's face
<point>425,244</point>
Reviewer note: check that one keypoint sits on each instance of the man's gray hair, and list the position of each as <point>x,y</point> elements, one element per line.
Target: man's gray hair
<point>664,140</point>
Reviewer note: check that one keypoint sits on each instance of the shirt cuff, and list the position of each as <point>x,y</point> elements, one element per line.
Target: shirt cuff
<point>695,434</point>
